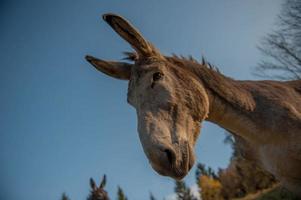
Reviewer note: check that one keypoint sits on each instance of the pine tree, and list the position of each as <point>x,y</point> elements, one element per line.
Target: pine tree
<point>183,192</point>
<point>120,194</point>
<point>151,197</point>
<point>202,170</point>
<point>64,197</point>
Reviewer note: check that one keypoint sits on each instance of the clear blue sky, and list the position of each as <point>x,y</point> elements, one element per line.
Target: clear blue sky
<point>62,122</point>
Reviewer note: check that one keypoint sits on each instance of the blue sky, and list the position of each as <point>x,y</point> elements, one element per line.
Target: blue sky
<point>62,122</point>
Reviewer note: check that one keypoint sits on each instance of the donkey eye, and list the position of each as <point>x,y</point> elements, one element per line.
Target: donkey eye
<point>157,76</point>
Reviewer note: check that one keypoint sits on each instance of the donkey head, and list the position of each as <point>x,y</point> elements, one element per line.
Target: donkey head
<point>169,101</point>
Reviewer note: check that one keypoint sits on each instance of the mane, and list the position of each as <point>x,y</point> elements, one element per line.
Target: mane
<point>193,63</point>
<point>132,56</point>
<point>226,88</point>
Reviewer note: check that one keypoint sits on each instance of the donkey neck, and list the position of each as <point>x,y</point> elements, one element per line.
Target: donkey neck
<point>230,103</point>
<point>229,117</point>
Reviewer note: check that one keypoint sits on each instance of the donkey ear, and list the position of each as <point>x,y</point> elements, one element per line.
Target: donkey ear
<point>129,33</point>
<point>119,70</point>
<point>103,182</point>
<point>92,184</point>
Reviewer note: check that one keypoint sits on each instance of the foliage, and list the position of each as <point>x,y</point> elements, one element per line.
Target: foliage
<point>210,188</point>
<point>230,140</point>
<point>208,182</point>
<point>243,177</point>
<point>183,192</point>
<point>152,197</point>
<point>202,170</point>
<point>64,197</point>
<point>282,47</point>
<point>120,194</point>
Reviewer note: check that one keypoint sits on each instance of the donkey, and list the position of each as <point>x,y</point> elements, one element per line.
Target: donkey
<point>173,95</point>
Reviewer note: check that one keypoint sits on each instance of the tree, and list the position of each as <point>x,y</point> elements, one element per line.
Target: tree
<point>183,192</point>
<point>282,47</point>
<point>151,196</point>
<point>120,194</point>
<point>64,197</point>
<point>202,170</point>
<point>210,188</point>
<point>243,175</point>
<point>208,183</point>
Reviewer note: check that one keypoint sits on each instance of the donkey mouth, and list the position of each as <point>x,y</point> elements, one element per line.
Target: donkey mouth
<point>184,165</point>
<point>178,167</point>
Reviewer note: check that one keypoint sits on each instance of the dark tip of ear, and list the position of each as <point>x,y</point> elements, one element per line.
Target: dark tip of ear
<point>89,58</point>
<point>104,16</point>
<point>108,17</point>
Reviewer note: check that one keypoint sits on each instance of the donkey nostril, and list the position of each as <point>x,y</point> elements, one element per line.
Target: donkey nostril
<point>170,156</point>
